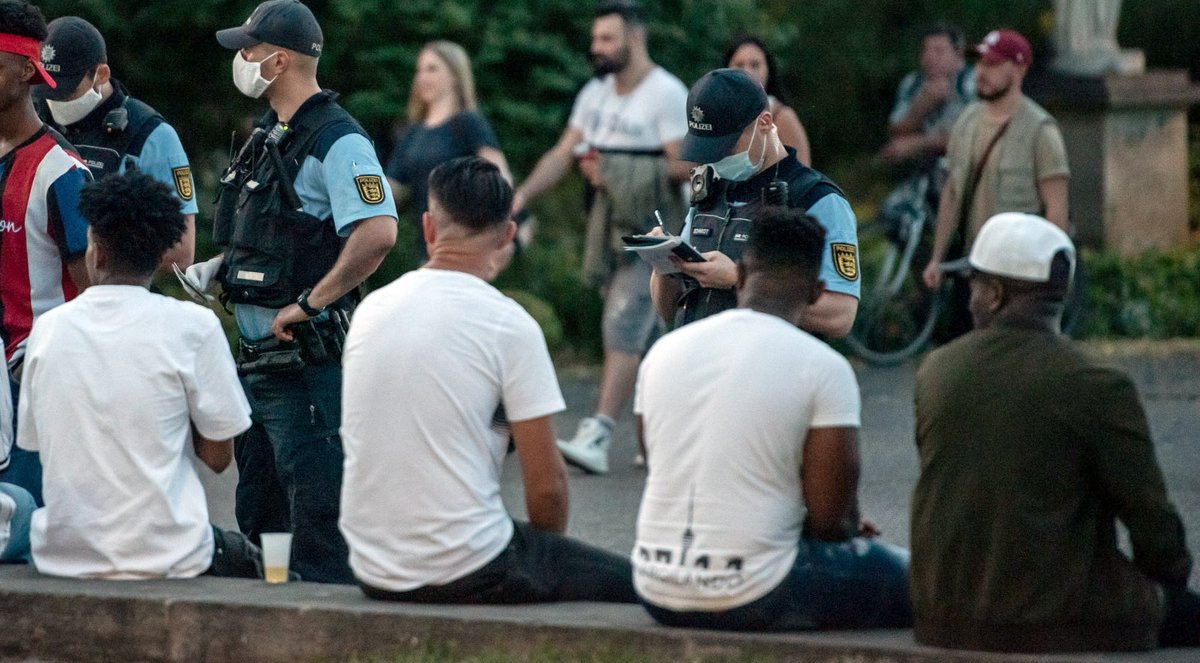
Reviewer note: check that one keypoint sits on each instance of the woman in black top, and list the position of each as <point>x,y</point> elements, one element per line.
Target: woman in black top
<point>443,124</point>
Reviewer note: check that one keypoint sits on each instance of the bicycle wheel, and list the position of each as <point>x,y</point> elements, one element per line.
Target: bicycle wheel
<point>898,312</point>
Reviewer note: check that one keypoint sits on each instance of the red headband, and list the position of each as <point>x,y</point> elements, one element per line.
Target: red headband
<point>30,48</point>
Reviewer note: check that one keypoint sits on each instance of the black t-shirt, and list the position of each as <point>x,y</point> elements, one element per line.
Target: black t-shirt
<point>420,149</point>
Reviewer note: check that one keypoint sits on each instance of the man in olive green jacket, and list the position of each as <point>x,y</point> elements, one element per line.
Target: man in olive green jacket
<point>1030,452</point>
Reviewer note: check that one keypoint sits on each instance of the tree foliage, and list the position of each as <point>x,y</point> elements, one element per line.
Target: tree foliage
<point>840,60</point>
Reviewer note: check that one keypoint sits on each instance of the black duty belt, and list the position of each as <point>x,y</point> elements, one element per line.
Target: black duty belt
<point>317,342</point>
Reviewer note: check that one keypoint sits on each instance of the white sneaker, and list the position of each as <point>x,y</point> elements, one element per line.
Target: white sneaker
<point>639,460</point>
<point>588,450</point>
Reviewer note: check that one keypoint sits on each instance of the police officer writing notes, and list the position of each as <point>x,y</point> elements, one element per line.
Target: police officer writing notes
<point>112,131</point>
<point>304,217</point>
<point>731,130</point>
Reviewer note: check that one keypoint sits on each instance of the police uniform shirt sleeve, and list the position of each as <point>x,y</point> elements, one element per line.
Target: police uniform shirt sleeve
<point>1050,154</point>
<point>352,180</point>
<point>164,159</point>
<point>65,222</point>
<point>839,264</point>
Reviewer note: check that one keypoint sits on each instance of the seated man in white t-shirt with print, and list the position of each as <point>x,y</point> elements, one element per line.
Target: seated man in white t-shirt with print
<point>439,369</point>
<point>749,519</point>
<point>123,391</point>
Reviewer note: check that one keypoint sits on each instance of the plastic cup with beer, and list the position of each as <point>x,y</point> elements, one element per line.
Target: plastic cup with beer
<point>276,554</point>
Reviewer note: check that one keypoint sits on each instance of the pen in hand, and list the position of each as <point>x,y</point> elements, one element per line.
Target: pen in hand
<point>661,225</point>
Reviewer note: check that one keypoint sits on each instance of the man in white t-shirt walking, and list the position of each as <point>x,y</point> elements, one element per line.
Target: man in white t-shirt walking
<point>123,391</point>
<point>440,368</point>
<point>749,520</point>
<point>625,133</point>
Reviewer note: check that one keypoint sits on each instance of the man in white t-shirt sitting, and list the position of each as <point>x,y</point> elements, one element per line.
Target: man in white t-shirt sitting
<point>123,391</point>
<point>440,368</point>
<point>740,449</point>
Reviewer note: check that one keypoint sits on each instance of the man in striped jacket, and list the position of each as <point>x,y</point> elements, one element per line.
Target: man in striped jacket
<point>43,236</point>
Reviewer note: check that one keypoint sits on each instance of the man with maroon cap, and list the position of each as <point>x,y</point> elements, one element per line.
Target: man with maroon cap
<point>42,234</point>
<point>1005,154</point>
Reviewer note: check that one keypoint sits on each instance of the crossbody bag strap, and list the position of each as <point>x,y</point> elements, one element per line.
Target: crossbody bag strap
<point>972,183</point>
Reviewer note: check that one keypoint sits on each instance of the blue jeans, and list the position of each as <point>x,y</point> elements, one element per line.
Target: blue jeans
<point>535,567</point>
<point>290,467</point>
<point>860,583</point>
<point>24,467</point>
<point>17,549</point>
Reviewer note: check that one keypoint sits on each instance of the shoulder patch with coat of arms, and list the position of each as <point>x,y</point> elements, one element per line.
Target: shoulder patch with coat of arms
<point>370,188</point>
<point>845,260</point>
<point>183,182</point>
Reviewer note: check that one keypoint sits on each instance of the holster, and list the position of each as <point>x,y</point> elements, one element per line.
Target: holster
<point>317,343</point>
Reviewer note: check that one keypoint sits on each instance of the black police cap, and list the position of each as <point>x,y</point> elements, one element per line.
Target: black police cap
<point>719,107</point>
<point>286,23</point>
<point>72,50</point>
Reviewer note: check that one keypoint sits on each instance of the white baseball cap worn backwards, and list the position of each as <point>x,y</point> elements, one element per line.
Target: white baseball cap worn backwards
<point>1016,246</point>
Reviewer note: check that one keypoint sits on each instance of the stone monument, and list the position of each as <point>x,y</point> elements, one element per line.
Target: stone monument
<point>1125,129</point>
<point>1085,39</point>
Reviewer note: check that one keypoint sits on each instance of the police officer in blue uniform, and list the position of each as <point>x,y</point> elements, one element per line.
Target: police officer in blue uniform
<point>112,131</point>
<point>304,216</point>
<point>745,167</point>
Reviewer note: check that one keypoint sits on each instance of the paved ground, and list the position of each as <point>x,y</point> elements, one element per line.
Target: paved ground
<point>604,509</point>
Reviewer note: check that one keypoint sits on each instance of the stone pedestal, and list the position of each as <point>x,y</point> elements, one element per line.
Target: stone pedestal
<point>1126,138</point>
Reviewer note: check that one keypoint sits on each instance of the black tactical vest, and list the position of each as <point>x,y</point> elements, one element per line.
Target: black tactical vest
<point>112,133</point>
<point>726,227</point>
<point>273,250</point>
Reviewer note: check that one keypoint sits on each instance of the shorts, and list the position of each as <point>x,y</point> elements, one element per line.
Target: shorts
<point>630,323</point>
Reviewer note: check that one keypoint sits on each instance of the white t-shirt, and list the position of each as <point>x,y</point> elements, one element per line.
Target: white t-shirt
<point>653,114</point>
<point>113,382</point>
<point>6,419</point>
<point>727,403</point>
<point>429,360</point>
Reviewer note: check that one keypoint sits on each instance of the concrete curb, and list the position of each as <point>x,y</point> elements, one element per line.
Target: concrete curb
<point>214,619</point>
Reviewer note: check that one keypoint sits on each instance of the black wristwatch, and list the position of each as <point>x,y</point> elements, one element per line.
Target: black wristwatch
<point>302,302</point>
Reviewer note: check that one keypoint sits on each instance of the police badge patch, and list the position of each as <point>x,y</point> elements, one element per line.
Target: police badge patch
<point>183,182</point>
<point>845,260</point>
<point>370,188</point>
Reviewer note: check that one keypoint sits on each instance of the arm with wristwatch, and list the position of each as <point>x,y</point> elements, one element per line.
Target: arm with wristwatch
<point>365,249</point>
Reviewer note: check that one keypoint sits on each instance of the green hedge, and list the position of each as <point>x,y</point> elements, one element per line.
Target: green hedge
<point>1155,295</point>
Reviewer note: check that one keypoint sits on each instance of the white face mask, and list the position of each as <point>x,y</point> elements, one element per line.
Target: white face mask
<point>70,112</point>
<point>247,76</point>
<point>738,167</point>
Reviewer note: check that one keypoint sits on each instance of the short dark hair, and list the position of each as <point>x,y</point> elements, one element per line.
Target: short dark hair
<point>784,239</point>
<point>773,86</point>
<point>472,191</point>
<point>948,30</point>
<point>136,218</point>
<point>20,18</point>
<point>629,11</point>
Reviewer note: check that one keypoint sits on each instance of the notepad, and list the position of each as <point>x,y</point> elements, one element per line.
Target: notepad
<point>657,249</point>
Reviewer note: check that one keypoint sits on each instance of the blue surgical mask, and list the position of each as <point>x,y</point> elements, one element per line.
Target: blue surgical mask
<point>738,167</point>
